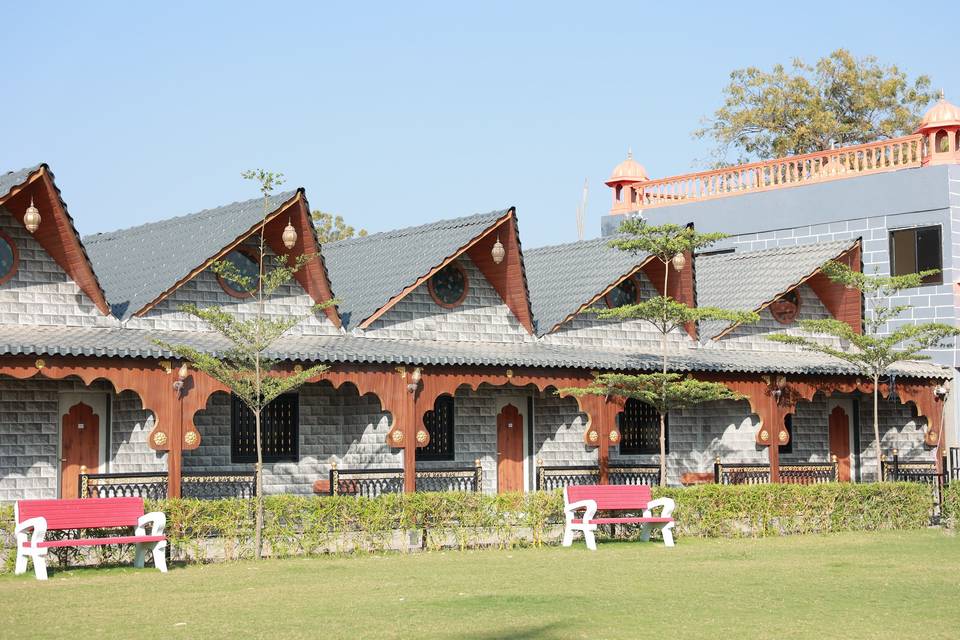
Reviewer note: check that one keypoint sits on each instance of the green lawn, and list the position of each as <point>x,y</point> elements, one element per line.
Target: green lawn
<point>879,585</point>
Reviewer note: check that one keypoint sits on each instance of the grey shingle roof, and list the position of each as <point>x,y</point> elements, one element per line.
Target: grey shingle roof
<point>564,277</point>
<point>745,281</point>
<point>11,179</point>
<point>365,273</point>
<point>138,264</point>
<point>133,343</point>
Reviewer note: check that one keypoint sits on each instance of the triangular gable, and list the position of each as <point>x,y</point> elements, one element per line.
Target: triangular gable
<point>752,281</point>
<point>370,275</point>
<point>56,234</point>
<point>145,265</point>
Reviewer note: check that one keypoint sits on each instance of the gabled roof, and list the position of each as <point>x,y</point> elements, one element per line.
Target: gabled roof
<point>566,278</point>
<point>749,281</point>
<point>140,265</point>
<point>370,273</point>
<point>57,234</point>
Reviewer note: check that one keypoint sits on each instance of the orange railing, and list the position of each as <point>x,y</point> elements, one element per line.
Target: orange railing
<point>820,166</point>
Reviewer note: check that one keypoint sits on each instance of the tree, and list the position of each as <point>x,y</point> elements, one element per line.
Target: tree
<point>874,351</point>
<point>244,367</point>
<point>840,100</point>
<point>664,391</point>
<point>331,227</point>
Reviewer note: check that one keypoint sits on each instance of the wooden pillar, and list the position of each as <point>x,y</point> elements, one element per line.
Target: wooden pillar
<point>601,431</point>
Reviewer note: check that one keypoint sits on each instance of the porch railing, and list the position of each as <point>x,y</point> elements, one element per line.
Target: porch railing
<point>759,473</point>
<point>373,482</point>
<point>550,478</point>
<point>153,486</point>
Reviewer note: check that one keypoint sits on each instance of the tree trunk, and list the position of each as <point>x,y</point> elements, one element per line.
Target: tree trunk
<point>876,426</point>
<point>663,397</point>
<point>258,499</point>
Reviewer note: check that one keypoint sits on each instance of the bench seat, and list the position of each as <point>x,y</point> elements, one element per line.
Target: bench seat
<point>94,542</point>
<point>582,502</point>
<point>625,520</point>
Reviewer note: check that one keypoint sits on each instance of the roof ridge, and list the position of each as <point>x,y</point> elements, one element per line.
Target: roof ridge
<point>567,245</point>
<point>734,255</point>
<point>104,236</point>
<point>405,231</point>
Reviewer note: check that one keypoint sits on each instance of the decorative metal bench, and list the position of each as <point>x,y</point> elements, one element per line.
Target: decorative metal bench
<point>614,497</point>
<point>40,516</point>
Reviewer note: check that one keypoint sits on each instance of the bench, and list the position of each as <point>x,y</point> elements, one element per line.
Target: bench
<point>35,517</point>
<point>614,497</point>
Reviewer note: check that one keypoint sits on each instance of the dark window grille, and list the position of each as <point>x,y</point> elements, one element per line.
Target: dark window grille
<point>788,425</point>
<point>439,424</point>
<point>916,250</point>
<point>639,426</point>
<point>279,430</point>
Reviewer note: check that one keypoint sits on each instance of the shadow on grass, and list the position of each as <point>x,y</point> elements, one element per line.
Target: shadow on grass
<point>548,631</point>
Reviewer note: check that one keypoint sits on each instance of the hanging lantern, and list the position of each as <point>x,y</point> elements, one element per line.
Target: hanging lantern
<point>679,261</point>
<point>497,252</point>
<point>289,236</point>
<point>31,219</point>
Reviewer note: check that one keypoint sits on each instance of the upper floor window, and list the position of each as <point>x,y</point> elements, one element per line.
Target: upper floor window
<point>279,430</point>
<point>627,292</point>
<point>639,426</point>
<point>439,424</point>
<point>449,286</point>
<point>915,250</point>
<point>246,263</point>
<point>9,259</point>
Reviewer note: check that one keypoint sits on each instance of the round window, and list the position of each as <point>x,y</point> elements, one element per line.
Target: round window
<point>624,293</point>
<point>246,265</point>
<point>786,308</point>
<point>449,285</point>
<point>8,258</point>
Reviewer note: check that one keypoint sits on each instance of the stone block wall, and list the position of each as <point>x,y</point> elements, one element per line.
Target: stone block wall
<point>41,293</point>
<point>559,428</point>
<point>28,439</point>
<point>132,424</point>
<point>482,317</point>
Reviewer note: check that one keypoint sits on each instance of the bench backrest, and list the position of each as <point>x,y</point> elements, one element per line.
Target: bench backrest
<point>90,513</point>
<point>610,496</point>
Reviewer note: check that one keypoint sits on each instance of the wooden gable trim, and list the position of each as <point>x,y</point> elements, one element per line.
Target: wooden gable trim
<point>592,301</point>
<point>680,286</point>
<point>294,207</point>
<point>512,290</point>
<point>841,302</point>
<point>56,234</point>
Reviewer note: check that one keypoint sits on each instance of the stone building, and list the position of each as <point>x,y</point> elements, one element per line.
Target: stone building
<point>446,351</point>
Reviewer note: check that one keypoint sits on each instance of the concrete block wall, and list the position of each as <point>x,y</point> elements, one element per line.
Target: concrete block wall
<point>28,439</point>
<point>132,424</point>
<point>559,428</point>
<point>290,300</point>
<point>899,429</point>
<point>586,330</point>
<point>41,293</point>
<point>482,317</point>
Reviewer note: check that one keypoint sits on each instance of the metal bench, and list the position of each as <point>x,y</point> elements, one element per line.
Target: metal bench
<point>612,498</point>
<point>35,517</point>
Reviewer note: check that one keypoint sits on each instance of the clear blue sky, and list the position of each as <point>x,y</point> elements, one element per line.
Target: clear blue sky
<point>396,114</point>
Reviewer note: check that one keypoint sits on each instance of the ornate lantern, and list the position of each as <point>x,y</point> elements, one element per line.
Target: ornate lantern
<point>679,261</point>
<point>497,252</point>
<point>31,219</point>
<point>289,236</point>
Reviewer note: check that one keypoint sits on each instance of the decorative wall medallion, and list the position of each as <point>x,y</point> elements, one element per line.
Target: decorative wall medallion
<point>786,308</point>
<point>159,438</point>
<point>594,436</point>
<point>509,373</point>
<point>397,436</point>
<point>764,435</point>
<point>190,438</point>
<point>297,368</point>
<point>421,436</point>
<point>40,364</point>
<point>614,436</point>
<point>783,436</point>
<point>166,366</point>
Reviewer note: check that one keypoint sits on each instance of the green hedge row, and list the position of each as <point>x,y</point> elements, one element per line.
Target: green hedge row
<point>205,530</point>
<point>951,505</point>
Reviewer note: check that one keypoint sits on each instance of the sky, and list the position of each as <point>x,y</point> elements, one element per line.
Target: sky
<point>402,113</point>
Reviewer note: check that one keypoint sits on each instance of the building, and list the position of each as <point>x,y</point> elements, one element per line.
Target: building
<point>446,352</point>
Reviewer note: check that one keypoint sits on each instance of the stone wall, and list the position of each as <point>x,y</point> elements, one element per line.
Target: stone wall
<point>28,439</point>
<point>482,317</point>
<point>41,293</point>
<point>132,424</point>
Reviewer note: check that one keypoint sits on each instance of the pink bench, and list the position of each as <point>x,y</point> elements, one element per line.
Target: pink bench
<point>614,497</point>
<point>40,516</point>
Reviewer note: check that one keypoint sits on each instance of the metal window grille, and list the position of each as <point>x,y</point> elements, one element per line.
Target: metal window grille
<point>639,425</point>
<point>439,423</point>
<point>279,430</point>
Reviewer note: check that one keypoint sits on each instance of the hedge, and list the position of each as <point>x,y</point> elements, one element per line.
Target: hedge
<point>223,529</point>
<point>951,505</point>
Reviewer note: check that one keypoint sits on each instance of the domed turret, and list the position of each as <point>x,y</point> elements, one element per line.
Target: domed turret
<point>624,174</point>
<point>940,126</point>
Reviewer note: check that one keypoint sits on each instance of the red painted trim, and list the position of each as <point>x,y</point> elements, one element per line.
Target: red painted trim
<point>4,278</point>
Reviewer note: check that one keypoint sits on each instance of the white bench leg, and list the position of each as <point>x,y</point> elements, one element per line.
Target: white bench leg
<point>138,557</point>
<point>590,539</point>
<point>645,532</point>
<point>21,565</point>
<point>668,535</point>
<point>567,535</point>
<point>40,566</point>
<point>160,556</point>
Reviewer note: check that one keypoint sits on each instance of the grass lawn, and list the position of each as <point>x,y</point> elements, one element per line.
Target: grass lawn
<point>877,585</point>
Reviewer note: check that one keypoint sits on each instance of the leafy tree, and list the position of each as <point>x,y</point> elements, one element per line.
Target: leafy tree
<point>331,227</point>
<point>664,391</point>
<point>244,367</point>
<point>840,100</point>
<point>874,351</point>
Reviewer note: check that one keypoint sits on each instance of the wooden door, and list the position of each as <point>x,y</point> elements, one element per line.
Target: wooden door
<point>509,450</point>
<point>79,446</point>
<point>840,442</point>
